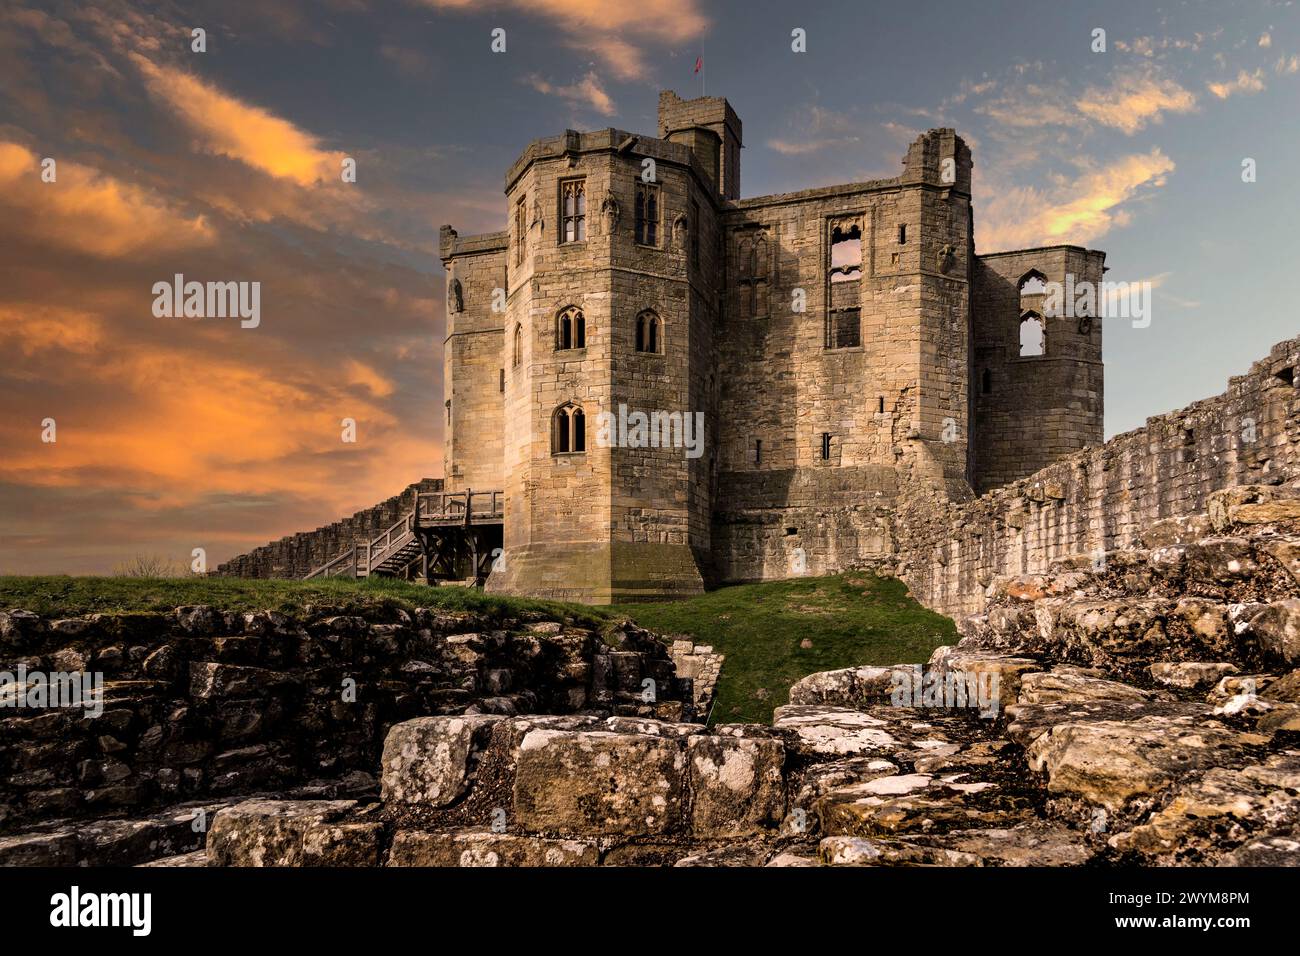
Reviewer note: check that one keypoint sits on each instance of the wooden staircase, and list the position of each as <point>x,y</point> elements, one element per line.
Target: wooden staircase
<point>441,529</point>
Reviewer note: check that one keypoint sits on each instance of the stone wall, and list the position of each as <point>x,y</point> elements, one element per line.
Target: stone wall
<point>199,703</point>
<point>1032,410</point>
<point>296,555</point>
<point>1101,499</point>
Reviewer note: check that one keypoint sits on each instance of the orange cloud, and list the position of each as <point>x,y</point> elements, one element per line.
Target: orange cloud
<point>1244,83</point>
<point>1078,211</point>
<point>587,92</point>
<point>229,127</point>
<point>89,211</point>
<point>611,29</point>
<point>1135,100</point>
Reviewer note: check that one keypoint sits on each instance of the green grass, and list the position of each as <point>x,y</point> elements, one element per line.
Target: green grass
<point>846,619</point>
<point>66,596</point>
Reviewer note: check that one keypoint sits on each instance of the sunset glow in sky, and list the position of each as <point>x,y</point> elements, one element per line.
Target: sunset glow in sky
<point>224,165</point>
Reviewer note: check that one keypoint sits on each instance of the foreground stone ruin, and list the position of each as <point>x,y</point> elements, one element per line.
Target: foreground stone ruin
<point>1147,712</point>
<point>202,709</point>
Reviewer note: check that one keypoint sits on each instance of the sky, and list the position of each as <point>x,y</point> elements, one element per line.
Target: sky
<point>225,164</point>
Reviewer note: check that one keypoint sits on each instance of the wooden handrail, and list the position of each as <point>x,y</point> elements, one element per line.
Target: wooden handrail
<point>449,506</point>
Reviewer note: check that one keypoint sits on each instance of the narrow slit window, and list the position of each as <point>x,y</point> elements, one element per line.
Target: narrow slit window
<point>647,214</point>
<point>826,446</point>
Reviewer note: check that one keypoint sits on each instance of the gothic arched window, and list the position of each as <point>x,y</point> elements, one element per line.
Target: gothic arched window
<point>568,430</point>
<point>518,355</point>
<point>570,329</point>
<point>1033,335</point>
<point>649,332</point>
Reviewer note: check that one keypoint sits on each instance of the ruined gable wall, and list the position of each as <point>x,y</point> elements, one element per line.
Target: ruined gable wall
<point>1036,409</point>
<point>1104,496</point>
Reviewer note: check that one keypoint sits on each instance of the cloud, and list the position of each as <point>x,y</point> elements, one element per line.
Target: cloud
<point>1266,40</point>
<point>1244,83</point>
<point>229,127</point>
<point>1078,211</point>
<point>615,30</point>
<point>87,211</point>
<point>1287,65</point>
<point>1135,100</point>
<point>586,92</point>
<point>823,129</point>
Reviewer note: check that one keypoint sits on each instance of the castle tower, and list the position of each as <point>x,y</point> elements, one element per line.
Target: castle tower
<point>609,357</point>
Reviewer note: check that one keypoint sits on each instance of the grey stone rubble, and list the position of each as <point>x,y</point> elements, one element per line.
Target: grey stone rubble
<point>203,708</point>
<point>1102,754</point>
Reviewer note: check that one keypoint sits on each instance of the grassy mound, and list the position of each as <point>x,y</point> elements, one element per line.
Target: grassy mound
<point>777,632</point>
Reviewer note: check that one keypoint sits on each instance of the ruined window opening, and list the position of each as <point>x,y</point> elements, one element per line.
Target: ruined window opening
<point>986,383</point>
<point>647,332</point>
<point>1032,287</point>
<point>573,210</point>
<point>1287,375</point>
<point>1189,444</point>
<point>1033,335</point>
<point>647,214</point>
<point>846,253</point>
<point>568,430</point>
<point>826,446</point>
<point>902,233</point>
<point>519,347</point>
<point>843,329</point>
<point>570,329</point>
<point>791,532</point>
<point>521,228</point>
<point>752,258</point>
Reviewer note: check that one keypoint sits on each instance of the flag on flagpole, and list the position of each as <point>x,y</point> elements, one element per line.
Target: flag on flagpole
<point>699,63</point>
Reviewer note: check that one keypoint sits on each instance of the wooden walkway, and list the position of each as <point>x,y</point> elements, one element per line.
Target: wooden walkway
<point>440,533</point>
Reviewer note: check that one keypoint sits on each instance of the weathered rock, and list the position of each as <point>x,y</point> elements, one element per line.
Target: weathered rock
<point>428,761</point>
<point>736,784</point>
<point>1220,808</point>
<point>1007,668</point>
<point>1265,851</point>
<point>484,848</point>
<point>1061,684</point>
<point>598,782</point>
<point>1033,844</point>
<point>1190,674</point>
<point>818,731</point>
<point>291,833</point>
<point>915,802</point>
<point>1110,762</point>
<point>58,848</point>
<point>1278,630</point>
<point>210,680</point>
<point>1285,688</point>
<point>196,858</point>
<point>787,858</point>
<point>859,851</point>
<point>725,856</point>
<point>850,687</point>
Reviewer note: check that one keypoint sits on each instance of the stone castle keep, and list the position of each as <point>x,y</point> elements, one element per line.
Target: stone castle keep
<point>845,346</point>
